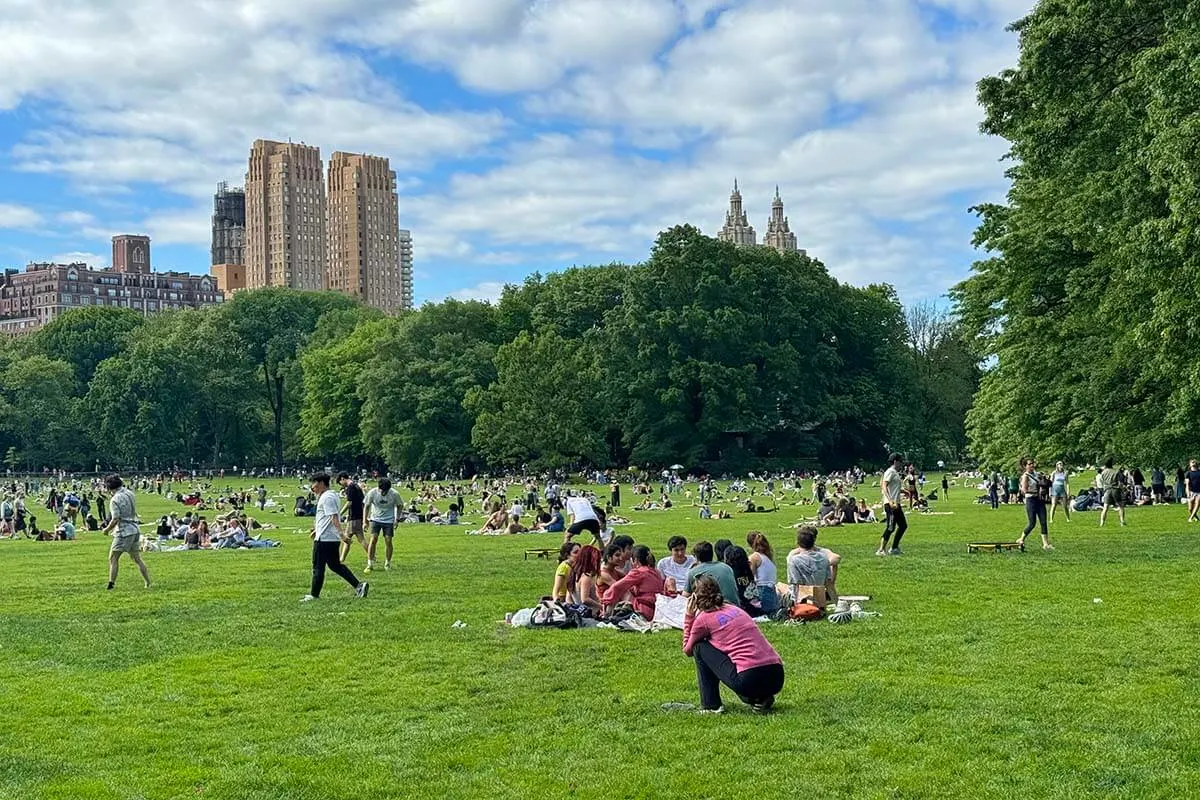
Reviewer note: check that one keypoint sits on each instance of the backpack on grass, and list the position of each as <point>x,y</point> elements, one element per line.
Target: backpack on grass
<point>552,614</point>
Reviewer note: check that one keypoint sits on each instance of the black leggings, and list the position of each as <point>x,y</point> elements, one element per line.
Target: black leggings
<point>894,515</point>
<point>1035,512</point>
<point>327,554</point>
<point>754,685</point>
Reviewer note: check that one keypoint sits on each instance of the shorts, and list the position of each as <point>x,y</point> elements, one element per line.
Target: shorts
<point>354,527</point>
<point>1114,497</point>
<point>1058,490</point>
<point>388,529</point>
<point>126,544</point>
<point>592,526</point>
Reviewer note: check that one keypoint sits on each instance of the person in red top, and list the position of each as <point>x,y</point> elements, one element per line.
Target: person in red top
<point>730,649</point>
<point>640,587</point>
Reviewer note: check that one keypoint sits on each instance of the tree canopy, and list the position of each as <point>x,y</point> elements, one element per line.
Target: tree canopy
<point>709,354</point>
<point>1085,310</point>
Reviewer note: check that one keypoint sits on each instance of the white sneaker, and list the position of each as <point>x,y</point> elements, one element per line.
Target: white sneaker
<point>717,710</point>
<point>387,566</point>
<point>881,552</point>
<point>307,598</point>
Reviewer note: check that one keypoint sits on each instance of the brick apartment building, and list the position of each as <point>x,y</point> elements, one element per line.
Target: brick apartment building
<point>39,294</point>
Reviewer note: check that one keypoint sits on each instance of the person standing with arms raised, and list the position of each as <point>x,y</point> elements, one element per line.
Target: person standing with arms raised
<point>327,539</point>
<point>891,484</point>
<point>123,526</point>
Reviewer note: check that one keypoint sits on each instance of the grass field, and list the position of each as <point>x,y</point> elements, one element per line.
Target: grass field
<point>987,676</point>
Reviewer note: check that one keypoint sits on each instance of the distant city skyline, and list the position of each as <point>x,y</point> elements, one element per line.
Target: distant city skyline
<point>525,136</point>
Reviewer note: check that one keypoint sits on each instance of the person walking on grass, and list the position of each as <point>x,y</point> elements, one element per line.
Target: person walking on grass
<point>1192,479</point>
<point>379,510</point>
<point>1034,488</point>
<point>353,511</point>
<point>893,508</point>
<point>1111,483</point>
<point>1060,491</point>
<point>123,526</point>
<point>327,538</point>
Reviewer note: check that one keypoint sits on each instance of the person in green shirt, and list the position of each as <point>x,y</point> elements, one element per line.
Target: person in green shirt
<point>705,565</point>
<point>1110,482</point>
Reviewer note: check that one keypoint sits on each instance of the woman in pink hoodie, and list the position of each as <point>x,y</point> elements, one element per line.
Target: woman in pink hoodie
<point>730,649</point>
<point>640,587</point>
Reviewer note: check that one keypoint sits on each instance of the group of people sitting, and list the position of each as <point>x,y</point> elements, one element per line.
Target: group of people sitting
<point>837,511</point>
<point>626,574</point>
<point>229,531</point>
<point>725,585</point>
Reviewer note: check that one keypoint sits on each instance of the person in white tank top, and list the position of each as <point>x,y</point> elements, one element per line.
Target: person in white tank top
<point>762,561</point>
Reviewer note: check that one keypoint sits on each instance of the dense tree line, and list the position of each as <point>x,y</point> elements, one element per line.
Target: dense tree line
<point>1086,310</point>
<point>706,354</point>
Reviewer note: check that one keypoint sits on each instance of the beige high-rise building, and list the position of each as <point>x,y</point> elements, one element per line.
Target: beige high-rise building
<point>366,253</point>
<point>285,217</point>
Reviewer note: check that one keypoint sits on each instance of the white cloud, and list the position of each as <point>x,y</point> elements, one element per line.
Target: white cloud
<point>488,291</point>
<point>17,217</point>
<point>94,260</point>
<point>620,118</point>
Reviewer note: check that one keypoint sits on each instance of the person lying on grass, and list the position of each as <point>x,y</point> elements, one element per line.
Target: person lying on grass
<point>640,587</point>
<point>730,649</point>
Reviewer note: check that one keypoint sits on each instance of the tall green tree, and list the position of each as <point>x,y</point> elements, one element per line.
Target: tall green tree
<point>1079,308</point>
<point>40,409</point>
<point>272,326</point>
<point>422,369</point>
<point>84,337</point>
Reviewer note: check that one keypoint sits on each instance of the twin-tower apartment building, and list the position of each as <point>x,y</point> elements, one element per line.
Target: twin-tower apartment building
<point>297,225</point>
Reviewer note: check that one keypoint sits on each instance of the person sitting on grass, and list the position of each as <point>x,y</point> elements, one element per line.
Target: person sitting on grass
<point>675,567</point>
<point>809,565</point>
<point>863,512</point>
<point>834,517</point>
<point>737,560</point>
<point>640,587</point>
<point>611,567</point>
<point>65,532</point>
<point>762,561</point>
<point>562,574</point>
<point>705,565</point>
<point>583,581</point>
<point>730,649</point>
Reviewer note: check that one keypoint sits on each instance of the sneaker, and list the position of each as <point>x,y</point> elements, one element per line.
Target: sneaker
<point>1047,547</point>
<point>764,707</point>
<point>717,710</point>
<point>362,588</point>
<point>896,552</point>
<point>307,598</point>
<point>881,552</point>
<point>110,585</point>
<point>367,569</point>
<point>387,566</point>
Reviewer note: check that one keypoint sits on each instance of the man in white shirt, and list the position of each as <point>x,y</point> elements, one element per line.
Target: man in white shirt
<point>327,538</point>
<point>583,518</point>
<point>379,509</point>
<point>123,526</point>
<point>893,509</point>
<point>674,568</point>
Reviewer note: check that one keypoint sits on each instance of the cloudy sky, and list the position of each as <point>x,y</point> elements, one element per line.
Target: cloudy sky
<point>527,134</point>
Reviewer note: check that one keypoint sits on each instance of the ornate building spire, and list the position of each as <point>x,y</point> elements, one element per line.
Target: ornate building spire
<point>779,235</point>
<point>737,228</point>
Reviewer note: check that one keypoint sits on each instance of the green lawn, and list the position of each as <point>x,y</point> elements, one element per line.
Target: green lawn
<point>987,676</point>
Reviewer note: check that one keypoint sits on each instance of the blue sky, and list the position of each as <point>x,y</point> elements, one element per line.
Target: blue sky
<point>527,135</point>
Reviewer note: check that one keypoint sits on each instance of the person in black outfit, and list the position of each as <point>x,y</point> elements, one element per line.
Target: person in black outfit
<point>1036,489</point>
